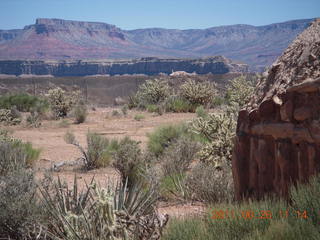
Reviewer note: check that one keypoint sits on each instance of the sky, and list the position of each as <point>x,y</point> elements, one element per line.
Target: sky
<point>134,14</point>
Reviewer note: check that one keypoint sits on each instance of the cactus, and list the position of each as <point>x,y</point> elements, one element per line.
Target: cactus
<point>9,117</point>
<point>219,130</point>
<point>111,213</point>
<point>61,103</point>
<point>200,93</point>
<point>152,92</point>
<point>240,91</point>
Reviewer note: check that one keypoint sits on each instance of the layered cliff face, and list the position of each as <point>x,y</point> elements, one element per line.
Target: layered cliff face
<point>57,39</point>
<point>148,66</point>
<point>278,135</point>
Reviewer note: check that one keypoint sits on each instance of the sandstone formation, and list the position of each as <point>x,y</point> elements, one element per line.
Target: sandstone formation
<point>57,39</point>
<point>278,134</point>
<point>148,66</point>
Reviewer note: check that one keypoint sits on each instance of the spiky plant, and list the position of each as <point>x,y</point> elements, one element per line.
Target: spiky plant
<point>219,129</point>
<point>96,213</point>
<point>240,91</point>
<point>152,92</point>
<point>60,102</point>
<point>198,93</point>
<point>8,117</point>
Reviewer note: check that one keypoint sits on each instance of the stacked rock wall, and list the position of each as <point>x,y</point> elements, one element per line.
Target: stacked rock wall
<point>278,134</point>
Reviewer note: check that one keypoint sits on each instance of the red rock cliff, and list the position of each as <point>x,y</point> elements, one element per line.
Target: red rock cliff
<point>278,134</point>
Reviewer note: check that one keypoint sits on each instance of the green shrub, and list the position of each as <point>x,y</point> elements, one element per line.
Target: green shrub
<point>80,113</point>
<point>163,136</point>
<point>15,155</point>
<point>139,117</point>
<point>178,104</point>
<point>20,213</point>
<point>61,102</point>
<point>115,113</point>
<point>176,161</point>
<point>201,112</point>
<point>186,229</point>
<point>23,102</point>
<point>98,153</point>
<point>200,93</point>
<point>152,108</point>
<point>217,101</point>
<point>209,184</point>
<point>128,160</point>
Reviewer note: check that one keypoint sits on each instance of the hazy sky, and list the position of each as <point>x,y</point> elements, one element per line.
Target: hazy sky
<point>182,14</point>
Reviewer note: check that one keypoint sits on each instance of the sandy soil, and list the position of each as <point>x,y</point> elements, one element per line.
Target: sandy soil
<point>50,139</point>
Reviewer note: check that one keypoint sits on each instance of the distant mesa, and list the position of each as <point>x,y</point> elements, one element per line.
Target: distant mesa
<point>58,39</point>
<point>147,66</point>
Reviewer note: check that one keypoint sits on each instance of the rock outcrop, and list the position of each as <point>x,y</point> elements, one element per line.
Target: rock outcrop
<point>278,135</point>
<point>148,66</point>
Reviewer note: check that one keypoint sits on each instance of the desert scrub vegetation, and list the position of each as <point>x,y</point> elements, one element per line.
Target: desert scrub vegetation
<point>10,116</point>
<point>270,218</point>
<point>61,103</point>
<point>198,93</point>
<point>19,211</point>
<point>80,113</point>
<point>219,131</point>
<point>163,136</point>
<point>175,162</point>
<point>128,160</point>
<point>240,91</point>
<point>208,184</point>
<point>177,104</point>
<point>15,154</point>
<point>157,96</point>
<point>139,117</point>
<point>23,102</point>
<point>99,149</point>
<point>114,212</point>
<point>201,112</point>
<point>152,92</point>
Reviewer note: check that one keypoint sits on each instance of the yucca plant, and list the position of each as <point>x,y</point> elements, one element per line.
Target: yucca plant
<point>114,212</point>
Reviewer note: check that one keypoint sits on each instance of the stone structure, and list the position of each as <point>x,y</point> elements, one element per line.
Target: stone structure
<point>278,134</point>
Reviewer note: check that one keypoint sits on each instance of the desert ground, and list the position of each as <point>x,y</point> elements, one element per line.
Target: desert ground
<point>49,137</point>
